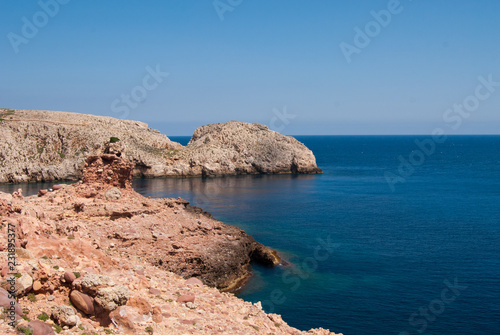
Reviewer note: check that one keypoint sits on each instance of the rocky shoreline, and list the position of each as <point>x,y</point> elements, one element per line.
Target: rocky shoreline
<point>50,146</point>
<point>95,257</point>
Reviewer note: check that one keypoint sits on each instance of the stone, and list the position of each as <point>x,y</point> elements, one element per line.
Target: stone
<point>69,277</point>
<point>82,301</point>
<point>40,328</point>
<point>141,304</point>
<point>41,193</point>
<point>91,282</point>
<point>121,317</point>
<point>5,269</point>
<point>186,298</point>
<point>154,291</point>
<point>24,284</point>
<point>109,298</point>
<point>5,302</point>
<point>58,186</point>
<point>65,316</point>
<point>113,194</point>
<point>157,314</point>
<point>37,286</point>
<point>193,281</point>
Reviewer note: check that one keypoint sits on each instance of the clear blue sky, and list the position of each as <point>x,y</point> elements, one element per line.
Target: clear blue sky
<point>263,57</point>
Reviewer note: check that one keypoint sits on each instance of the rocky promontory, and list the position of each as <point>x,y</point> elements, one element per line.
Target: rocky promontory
<point>48,146</point>
<point>95,257</point>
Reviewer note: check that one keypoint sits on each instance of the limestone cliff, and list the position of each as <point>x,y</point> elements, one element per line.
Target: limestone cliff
<point>48,145</point>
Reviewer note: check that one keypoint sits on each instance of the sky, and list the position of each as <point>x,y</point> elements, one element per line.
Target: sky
<point>302,67</point>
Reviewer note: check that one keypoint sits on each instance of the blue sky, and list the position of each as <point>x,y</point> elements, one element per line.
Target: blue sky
<point>277,62</point>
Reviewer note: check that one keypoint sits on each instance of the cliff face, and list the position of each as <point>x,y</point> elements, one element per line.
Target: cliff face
<point>47,145</point>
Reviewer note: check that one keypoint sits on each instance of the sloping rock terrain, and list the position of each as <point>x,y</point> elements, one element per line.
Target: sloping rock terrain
<point>95,257</point>
<point>48,146</point>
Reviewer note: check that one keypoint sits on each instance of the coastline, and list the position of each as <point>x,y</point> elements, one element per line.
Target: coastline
<point>103,230</point>
<point>33,151</point>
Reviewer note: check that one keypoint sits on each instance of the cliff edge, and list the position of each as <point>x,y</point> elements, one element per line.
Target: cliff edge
<point>48,146</point>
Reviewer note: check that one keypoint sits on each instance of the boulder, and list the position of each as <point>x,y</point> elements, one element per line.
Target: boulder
<point>40,328</point>
<point>113,194</point>
<point>65,316</point>
<point>193,281</point>
<point>82,301</point>
<point>109,298</point>
<point>24,284</point>
<point>69,277</point>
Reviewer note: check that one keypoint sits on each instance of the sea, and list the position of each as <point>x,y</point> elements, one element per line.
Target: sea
<point>399,235</point>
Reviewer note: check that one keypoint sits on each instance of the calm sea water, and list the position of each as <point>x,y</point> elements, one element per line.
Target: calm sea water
<point>422,258</point>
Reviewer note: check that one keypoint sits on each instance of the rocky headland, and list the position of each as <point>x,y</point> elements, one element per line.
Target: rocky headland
<point>95,257</point>
<point>49,146</point>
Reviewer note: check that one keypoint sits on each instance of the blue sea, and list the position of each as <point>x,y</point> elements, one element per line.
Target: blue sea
<point>394,237</point>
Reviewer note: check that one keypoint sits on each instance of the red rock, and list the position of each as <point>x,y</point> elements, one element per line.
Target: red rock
<point>140,303</point>
<point>185,298</point>
<point>193,281</point>
<point>5,269</point>
<point>5,302</point>
<point>154,291</point>
<point>82,301</point>
<point>121,318</point>
<point>41,193</point>
<point>37,286</point>
<point>58,187</point>
<point>157,315</point>
<point>40,328</point>
<point>69,277</point>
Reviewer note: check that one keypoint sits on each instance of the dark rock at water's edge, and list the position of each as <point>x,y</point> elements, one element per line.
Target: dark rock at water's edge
<point>47,146</point>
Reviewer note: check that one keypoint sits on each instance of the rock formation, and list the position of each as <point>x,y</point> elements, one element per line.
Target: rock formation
<point>48,146</point>
<point>97,257</point>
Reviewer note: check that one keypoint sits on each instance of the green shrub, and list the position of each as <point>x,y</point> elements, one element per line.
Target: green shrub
<point>25,330</point>
<point>44,316</point>
<point>113,139</point>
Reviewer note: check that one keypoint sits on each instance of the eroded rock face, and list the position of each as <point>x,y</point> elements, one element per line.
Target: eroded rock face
<point>47,145</point>
<point>245,148</point>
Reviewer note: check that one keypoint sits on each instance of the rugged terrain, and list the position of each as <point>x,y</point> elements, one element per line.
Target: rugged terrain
<point>49,146</point>
<point>95,257</point>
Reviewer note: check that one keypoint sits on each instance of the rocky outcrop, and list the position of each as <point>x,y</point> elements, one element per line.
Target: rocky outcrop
<point>168,233</point>
<point>134,265</point>
<point>47,146</point>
